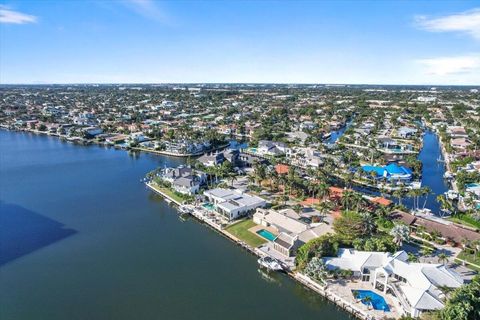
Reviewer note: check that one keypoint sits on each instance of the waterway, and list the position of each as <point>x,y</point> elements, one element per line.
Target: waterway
<point>432,175</point>
<point>335,135</point>
<point>432,171</point>
<point>82,238</point>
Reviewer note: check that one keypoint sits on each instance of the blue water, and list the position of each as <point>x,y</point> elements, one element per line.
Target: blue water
<point>432,172</point>
<point>432,175</point>
<point>83,238</point>
<point>266,234</point>
<point>235,145</point>
<point>377,301</point>
<point>335,135</point>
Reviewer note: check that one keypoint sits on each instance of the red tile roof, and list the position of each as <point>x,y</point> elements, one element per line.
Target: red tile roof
<point>281,168</point>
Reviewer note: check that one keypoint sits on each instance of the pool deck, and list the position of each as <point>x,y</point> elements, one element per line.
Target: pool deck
<point>259,227</point>
<point>344,290</point>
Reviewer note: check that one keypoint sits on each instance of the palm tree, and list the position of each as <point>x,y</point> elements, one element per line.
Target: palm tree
<point>426,191</point>
<point>368,223</point>
<point>442,257</point>
<point>251,179</point>
<point>445,205</point>
<point>367,300</point>
<point>232,177</point>
<point>322,190</point>
<point>400,233</point>
<point>412,257</point>
<point>426,251</point>
<point>399,194</point>
<point>347,198</point>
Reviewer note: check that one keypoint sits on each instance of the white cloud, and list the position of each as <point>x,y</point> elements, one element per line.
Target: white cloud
<point>444,66</point>
<point>9,16</point>
<point>148,9</point>
<point>466,22</point>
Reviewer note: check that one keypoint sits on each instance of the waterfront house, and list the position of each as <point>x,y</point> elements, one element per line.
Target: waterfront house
<point>184,179</point>
<point>305,157</point>
<point>457,132</point>
<point>186,185</point>
<point>233,203</point>
<point>416,286</point>
<point>292,231</point>
<point>232,156</point>
<point>391,172</point>
<point>271,148</point>
<point>116,139</point>
<point>460,144</point>
<point>186,147</point>
<point>286,244</point>
<point>406,132</point>
<point>211,160</point>
<point>91,132</point>
<point>446,229</point>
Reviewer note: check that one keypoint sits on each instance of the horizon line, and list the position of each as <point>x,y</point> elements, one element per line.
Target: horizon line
<point>233,83</point>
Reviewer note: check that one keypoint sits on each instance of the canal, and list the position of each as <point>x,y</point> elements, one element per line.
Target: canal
<point>335,135</point>
<point>432,171</point>
<point>82,238</point>
<point>432,175</point>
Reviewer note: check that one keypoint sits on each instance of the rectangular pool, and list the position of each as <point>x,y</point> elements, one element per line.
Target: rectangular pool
<point>368,297</point>
<point>266,234</point>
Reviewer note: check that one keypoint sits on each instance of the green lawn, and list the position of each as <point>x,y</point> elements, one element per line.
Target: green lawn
<point>466,220</point>
<point>470,257</point>
<point>169,192</point>
<point>240,230</point>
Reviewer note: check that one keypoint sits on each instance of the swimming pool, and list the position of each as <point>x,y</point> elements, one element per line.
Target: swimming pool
<point>209,206</point>
<point>266,234</point>
<point>376,300</point>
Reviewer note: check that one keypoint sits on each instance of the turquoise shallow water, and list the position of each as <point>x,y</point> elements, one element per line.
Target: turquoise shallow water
<point>82,238</point>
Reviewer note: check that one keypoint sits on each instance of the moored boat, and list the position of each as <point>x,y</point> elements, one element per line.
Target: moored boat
<point>270,263</point>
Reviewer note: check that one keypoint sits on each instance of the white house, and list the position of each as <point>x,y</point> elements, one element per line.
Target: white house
<point>416,286</point>
<point>233,203</point>
<point>271,148</point>
<point>292,232</point>
<point>186,185</point>
<point>184,179</point>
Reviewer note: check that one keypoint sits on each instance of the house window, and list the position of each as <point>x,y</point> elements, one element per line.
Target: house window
<point>366,277</point>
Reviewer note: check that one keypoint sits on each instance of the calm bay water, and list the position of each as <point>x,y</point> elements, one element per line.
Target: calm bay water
<point>81,238</point>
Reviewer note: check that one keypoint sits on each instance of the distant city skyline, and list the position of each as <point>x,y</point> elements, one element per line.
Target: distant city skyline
<point>143,41</point>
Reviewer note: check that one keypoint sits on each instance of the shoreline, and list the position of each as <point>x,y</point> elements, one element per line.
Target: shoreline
<point>296,276</point>
<point>86,142</point>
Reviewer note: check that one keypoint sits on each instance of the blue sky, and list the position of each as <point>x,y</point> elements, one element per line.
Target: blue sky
<point>142,41</point>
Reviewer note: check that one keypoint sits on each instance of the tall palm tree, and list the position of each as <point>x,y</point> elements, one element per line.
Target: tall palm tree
<point>232,177</point>
<point>347,198</point>
<point>426,191</point>
<point>322,190</point>
<point>399,194</point>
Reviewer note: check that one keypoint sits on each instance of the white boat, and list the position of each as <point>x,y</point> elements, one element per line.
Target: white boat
<point>184,209</point>
<point>451,194</point>
<point>424,212</point>
<point>447,175</point>
<point>415,185</point>
<point>270,263</point>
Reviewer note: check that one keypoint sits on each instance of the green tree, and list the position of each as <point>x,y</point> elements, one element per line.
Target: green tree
<point>464,303</point>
